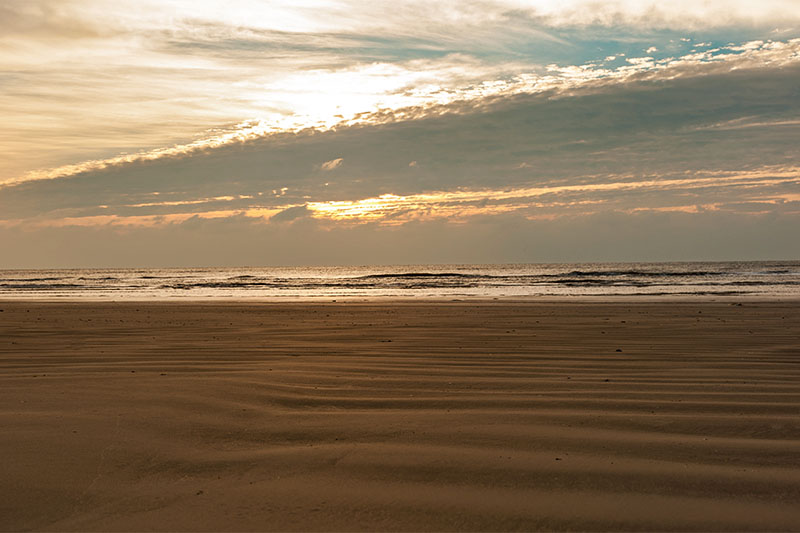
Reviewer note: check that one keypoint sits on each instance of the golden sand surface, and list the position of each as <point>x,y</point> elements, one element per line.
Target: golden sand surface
<point>400,416</point>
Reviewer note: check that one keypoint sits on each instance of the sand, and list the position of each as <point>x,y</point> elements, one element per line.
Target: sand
<point>400,416</point>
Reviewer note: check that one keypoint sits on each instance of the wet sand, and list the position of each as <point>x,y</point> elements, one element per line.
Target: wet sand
<point>400,416</point>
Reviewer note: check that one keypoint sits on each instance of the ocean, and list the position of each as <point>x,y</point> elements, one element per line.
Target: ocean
<point>771,279</point>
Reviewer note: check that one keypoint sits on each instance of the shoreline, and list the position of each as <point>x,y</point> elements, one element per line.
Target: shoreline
<point>422,300</point>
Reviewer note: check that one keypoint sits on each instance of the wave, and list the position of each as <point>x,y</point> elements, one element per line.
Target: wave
<point>4,280</point>
<point>641,273</point>
<point>42,286</point>
<point>411,284</point>
<point>426,275</point>
<point>227,284</point>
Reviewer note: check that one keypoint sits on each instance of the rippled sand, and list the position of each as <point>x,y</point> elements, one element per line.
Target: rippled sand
<point>400,416</point>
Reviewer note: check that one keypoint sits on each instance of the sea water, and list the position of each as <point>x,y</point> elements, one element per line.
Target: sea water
<point>771,279</point>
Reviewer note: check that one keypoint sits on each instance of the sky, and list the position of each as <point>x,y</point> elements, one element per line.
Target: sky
<point>256,133</point>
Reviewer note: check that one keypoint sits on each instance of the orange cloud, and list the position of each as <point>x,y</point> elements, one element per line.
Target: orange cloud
<point>468,202</point>
<point>543,202</point>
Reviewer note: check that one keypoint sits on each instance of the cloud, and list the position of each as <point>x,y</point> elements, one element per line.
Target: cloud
<point>291,213</point>
<point>437,100</point>
<point>332,164</point>
<point>585,149</point>
<point>556,201</point>
<point>684,14</point>
<point>88,82</point>
<point>504,238</point>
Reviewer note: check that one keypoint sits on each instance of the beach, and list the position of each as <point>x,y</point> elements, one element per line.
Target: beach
<point>400,415</point>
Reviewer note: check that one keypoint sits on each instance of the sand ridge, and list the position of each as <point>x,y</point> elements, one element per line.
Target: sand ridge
<point>400,416</point>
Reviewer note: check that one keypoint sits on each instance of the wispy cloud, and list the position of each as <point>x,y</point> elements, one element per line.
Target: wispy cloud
<point>462,204</point>
<point>332,164</point>
<point>685,14</point>
<point>421,101</point>
<point>90,81</point>
<point>629,194</point>
<point>649,125</point>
